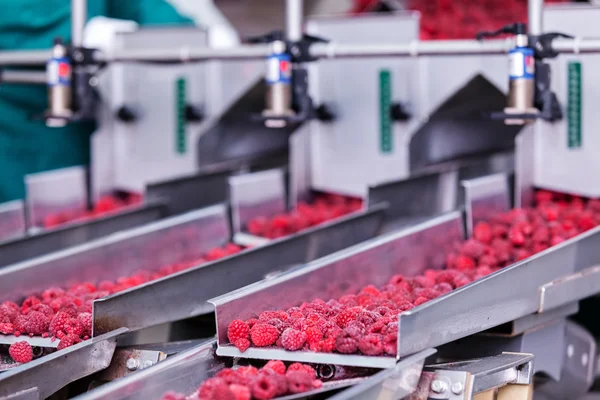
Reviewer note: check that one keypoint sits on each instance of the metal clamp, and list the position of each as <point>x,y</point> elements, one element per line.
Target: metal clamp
<point>463,380</point>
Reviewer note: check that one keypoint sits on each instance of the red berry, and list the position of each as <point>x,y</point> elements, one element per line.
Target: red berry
<point>346,344</point>
<point>472,248</point>
<point>215,388</point>
<point>58,322</point>
<point>37,323</point>
<point>483,232</point>
<point>355,329</point>
<point>390,343</point>
<point>240,392</point>
<point>464,263</point>
<point>67,341</point>
<point>21,352</point>
<point>327,345</point>
<point>29,302</point>
<point>237,329</point>
<point>299,381</point>
<point>242,344</point>
<point>420,300</point>
<point>73,327</point>
<point>371,345</point>
<point>85,319</point>
<point>303,368</point>
<point>277,366</point>
<point>263,335</point>
<point>264,387</point>
<point>173,396</point>
<point>516,237</point>
<point>292,339</point>
<point>7,328</point>
<point>345,317</point>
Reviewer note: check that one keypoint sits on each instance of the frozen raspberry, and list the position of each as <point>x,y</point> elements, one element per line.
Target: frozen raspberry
<point>473,248</point>
<point>237,329</point>
<point>242,344</point>
<point>264,387</point>
<point>483,232</point>
<point>173,396</point>
<point>7,328</point>
<point>37,323</point>
<point>21,323</point>
<point>346,344</point>
<point>355,329</point>
<point>292,339</point>
<point>215,388</point>
<point>303,368</point>
<point>67,341</point>
<point>73,327</point>
<point>279,324</point>
<point>277,366</point>
<point>446,276</point>
<point>58,322</point>
<point>85,319</point>
<point>29,302</point>
<point>443,287</point>
<point>21,352</point>
<point>231,376</point>
<point>420,300</point>
<point>464,263</point>
<point>327,345</point>
<point>280,381</point>
<point>8,313</point>
<point>345,317</point>
<point>429,293</point>
<point>43,308</point>
<point>390,343</point>
<point>299,381</point>
<point>9,305</point>
<point>240,392</point>
<point>516,237</point>
<point>263,335</point>
<point>371,345</point>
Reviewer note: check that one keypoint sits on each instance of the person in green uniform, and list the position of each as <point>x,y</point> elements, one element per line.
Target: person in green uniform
<point>27,145</point>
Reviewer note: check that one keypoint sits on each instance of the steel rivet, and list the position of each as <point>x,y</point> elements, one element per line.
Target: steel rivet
<point>457,388</point>
<point>584,359</point>
<point>132,364</point>
<point>438,386</point>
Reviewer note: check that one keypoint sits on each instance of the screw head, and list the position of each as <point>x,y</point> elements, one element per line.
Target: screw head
<point>438,386</point>
<point>132,364</point>
<point>457,388</point>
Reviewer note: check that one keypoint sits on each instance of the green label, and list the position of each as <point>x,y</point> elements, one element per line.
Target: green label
<point>385,117</point>
<point>574,105</point>
<point>180,95</point>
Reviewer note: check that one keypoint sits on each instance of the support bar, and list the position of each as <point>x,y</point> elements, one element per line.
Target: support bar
<point>79,16</point>
<point>293,19</point>
<point>535,16</point>
<point>23,77</point>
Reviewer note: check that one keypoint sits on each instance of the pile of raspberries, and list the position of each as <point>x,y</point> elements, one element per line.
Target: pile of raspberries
<point>65,314</point>
<point>249,383</point>
<point>105,205</point>
<point>325,208</point>
<point>367,322</point>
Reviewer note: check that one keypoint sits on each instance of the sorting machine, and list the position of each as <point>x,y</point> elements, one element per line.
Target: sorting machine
<point>512,335</point>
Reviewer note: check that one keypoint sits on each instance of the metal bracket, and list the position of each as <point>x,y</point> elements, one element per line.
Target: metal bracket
<point>128,360</point>
<point>463,380</point>
<point>485,197</point>
<point>568,289</point>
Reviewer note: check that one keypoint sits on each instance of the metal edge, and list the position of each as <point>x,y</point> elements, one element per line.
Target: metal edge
<point>495,185</point>
<point>103,307</point>
<point>47,370</point>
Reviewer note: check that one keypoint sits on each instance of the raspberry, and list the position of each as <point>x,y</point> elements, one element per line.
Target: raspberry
<point>215,388</point>
<point>420,300</point>
<point>464,263</point>
<point>237,329</point>
<point>264,387</point>
<point>7,328</point>
<point>21,323</point>
<point>277,366</point>
<point>247,371</point>
<point>257,226</point>
<point>346,344</point>
<point>344,318</point>
<point>21,352</point>
<point>37,323</point>
<point>85,319</point>
<point>73,327</point>
<point>556,240</point>
<point>292,339</point>
<point>483,232</point>
<point>29,302</point>
<point>8,313</point>
<point>263,334</point>
<point>368,317</point>
<point>9,305</point>
<point>371,345</point>
<point>240,392</point>
<point>516,237</point>
<point>427,293</point>
<point>43,308</point>
<point>231,376</point>
<point>173,396</point>
<point>279,324</point>
<point>355,329</point>
<point>299,381</point>
<point>327,345</point>
<point>278,379</point>
<point>390,343</point>
<point>67,341</point>
<point>472,248</point>
<point>443,287</point>
<point>58,322</point>
<point>242,344</point>
<point>303,368</point>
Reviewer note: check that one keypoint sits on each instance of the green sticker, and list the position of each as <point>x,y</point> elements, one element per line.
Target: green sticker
<point>574,105</point>
<point>180,95</point>
<point>385,117</point>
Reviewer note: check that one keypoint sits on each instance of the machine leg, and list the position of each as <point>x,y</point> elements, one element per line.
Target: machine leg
<point>515,392</point>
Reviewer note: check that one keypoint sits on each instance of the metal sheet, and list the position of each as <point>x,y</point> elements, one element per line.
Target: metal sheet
<point>524,167</point>
<point>74,234</point>
<point>486,303</point>
<point>185,294</point>
<point>257,194</point>
<point>12,220</point>
<point>63,190</point>
<point>146,248</point>
<point>394,383</point>
<point>485,197</point>
<point>54,371</point>
<point>571,288</point>
<point>409,252</point>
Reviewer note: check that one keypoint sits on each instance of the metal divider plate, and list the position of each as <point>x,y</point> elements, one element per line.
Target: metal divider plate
<point>485,197</point>
<point>12,220</point>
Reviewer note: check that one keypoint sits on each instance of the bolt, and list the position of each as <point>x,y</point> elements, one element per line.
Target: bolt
<point>93,81</point>
<point>132,364</point>
<point>457,388</point>
<point>438,386</point>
